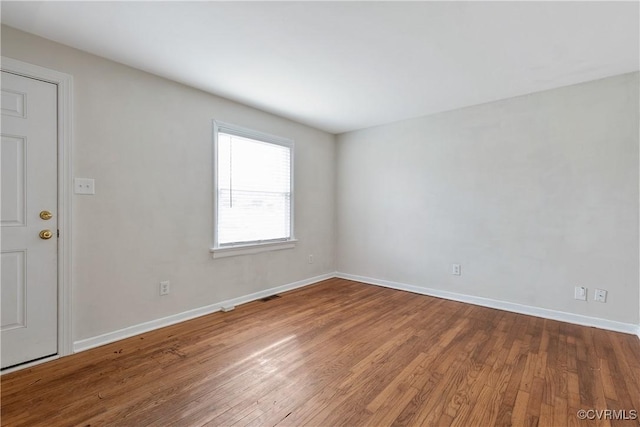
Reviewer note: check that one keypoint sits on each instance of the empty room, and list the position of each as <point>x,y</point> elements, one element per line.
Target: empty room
<point>320,213</point>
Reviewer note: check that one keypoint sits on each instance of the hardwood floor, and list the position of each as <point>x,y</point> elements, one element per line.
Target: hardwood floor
<point>339,353</point>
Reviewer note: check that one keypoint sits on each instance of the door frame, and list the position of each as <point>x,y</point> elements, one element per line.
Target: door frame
<point>64,83</point>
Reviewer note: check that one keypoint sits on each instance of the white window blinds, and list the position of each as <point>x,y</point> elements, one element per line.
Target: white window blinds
<point>253,200</point>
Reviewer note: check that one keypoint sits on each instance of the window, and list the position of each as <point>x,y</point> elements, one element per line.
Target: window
<point>253,185</point>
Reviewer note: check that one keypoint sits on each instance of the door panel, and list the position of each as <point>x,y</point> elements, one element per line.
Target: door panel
<point>14,286</point>
<point>28,156</point>
<point>13,103</point>
<point>14,179</point>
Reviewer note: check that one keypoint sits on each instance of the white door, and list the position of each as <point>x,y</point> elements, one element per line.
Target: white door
<point>29,186</point>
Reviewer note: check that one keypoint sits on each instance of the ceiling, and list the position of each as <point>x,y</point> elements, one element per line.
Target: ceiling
<point>341,66</point>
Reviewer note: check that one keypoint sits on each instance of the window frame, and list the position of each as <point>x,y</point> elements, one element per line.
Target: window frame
<point>257,246</point>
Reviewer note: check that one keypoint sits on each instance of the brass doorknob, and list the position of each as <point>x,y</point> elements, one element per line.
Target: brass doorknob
<point>46,215</point>
<point>46,234</point>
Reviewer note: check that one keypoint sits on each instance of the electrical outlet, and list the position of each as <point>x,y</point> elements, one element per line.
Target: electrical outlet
<point>164,288</point>
<point>455,269</point>
<point>600,295</point>
<point>310,259</point>
<point>580,293</point>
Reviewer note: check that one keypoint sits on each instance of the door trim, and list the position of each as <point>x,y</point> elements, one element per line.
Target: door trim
<point>64,83</point>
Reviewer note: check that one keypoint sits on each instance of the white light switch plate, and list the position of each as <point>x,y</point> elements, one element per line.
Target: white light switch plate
<point>84,186</point>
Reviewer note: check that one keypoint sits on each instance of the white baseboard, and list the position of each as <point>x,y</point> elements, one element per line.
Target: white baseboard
<point>562,316</point>
<point>110,337</point>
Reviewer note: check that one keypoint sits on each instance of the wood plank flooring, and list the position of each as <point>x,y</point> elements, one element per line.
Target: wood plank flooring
<point>339,353</point>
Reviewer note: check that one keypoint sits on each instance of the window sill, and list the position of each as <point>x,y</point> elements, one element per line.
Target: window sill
<point>255,248</point>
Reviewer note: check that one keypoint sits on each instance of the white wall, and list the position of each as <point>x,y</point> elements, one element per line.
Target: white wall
<point>147,142</point>
<point>531,195</point>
